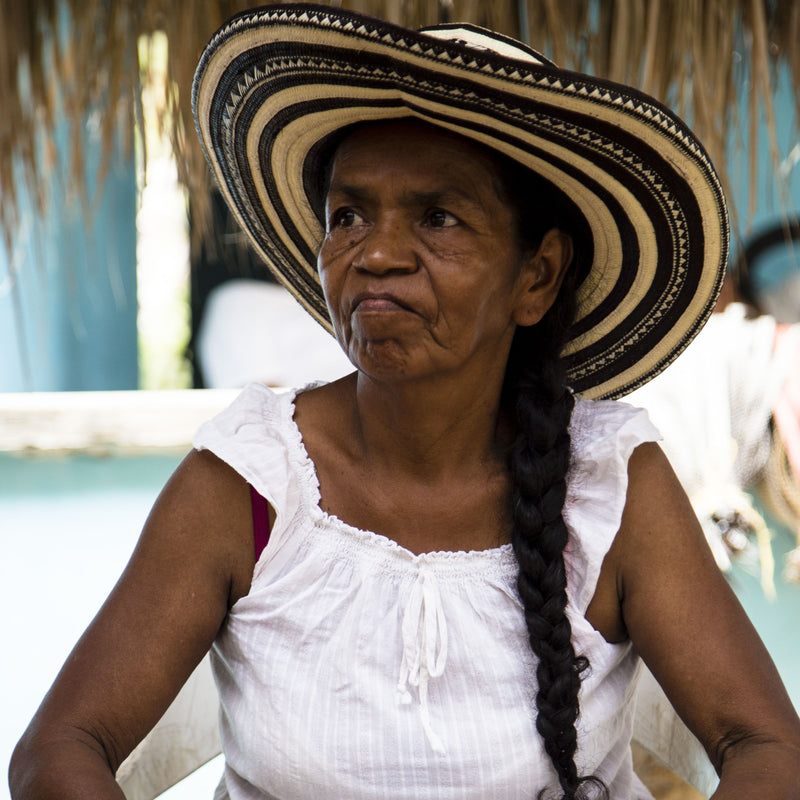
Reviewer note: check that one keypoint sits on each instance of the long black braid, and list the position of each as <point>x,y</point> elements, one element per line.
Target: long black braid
<point>538,401</point>
<point>538,461</point>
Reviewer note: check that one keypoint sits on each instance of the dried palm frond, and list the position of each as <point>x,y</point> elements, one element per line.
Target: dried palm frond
<point>62,59</point>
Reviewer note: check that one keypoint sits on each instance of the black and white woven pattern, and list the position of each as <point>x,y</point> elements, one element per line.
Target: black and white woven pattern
<point>275,83</point>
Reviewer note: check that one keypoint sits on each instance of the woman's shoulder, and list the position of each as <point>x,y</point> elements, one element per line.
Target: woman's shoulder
<point>603,435</point>
<point>256,413</point>
<point>608,427</point>
<point>257,436</point>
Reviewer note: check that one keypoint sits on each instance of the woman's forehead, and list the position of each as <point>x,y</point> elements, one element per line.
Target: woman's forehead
<point>415,150</point>
<point>410,132</point>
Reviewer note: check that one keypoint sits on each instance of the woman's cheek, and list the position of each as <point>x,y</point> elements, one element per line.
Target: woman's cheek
<point>333,299</point>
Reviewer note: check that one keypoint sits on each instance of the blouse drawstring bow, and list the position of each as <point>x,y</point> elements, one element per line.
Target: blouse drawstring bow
<point>424,629</point>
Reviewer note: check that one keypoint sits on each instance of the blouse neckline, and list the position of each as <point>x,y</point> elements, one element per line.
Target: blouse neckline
<point>308,470</point>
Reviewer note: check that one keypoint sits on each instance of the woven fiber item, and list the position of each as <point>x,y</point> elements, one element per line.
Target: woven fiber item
<point>276,84</point>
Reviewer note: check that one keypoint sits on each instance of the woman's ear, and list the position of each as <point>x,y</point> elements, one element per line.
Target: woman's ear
<point>542,275</point>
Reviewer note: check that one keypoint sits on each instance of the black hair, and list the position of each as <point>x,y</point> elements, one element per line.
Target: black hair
<point>538,401</point>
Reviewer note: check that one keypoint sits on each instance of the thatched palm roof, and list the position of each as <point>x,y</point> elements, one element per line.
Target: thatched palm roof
<point>62,59</point>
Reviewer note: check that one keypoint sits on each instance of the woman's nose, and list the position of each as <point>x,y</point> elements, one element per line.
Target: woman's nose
<point>388,247</point>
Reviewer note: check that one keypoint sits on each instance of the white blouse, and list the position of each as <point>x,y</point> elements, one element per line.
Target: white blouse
<point>356,669</point>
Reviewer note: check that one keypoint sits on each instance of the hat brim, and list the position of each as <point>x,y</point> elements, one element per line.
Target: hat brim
<point>275,83</point>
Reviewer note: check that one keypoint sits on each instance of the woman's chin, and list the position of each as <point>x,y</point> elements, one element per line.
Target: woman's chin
<point>384,360</point>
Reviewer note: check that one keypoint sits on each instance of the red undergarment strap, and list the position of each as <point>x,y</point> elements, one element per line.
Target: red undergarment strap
<point>260,521</point>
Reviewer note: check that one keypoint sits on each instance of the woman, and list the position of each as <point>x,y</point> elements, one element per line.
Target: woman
<point>457,563</point>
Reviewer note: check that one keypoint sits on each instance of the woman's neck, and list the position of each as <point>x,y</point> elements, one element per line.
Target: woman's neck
<point>380,450</point>
<point>429,428</point>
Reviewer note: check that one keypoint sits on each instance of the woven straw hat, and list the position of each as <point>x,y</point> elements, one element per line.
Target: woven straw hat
<point>275,83</point>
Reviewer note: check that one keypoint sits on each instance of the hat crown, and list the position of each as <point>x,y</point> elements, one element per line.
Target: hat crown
<point>477,38</point>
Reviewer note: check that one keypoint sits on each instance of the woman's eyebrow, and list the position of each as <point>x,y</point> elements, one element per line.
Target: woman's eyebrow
<point>349,191</point>
<point>450,194</point>
<point>411,198</point>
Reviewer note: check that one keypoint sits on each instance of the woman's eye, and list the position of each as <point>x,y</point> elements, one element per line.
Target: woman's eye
<point>346,218</point>
<point>441,219</point>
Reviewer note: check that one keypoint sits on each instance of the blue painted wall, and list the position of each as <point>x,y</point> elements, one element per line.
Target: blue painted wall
<point>775,194</point>
<point>68,287</point>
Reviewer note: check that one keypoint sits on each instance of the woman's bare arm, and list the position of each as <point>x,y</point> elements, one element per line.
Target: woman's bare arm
<point>193,560</point>
<point>694,635</point>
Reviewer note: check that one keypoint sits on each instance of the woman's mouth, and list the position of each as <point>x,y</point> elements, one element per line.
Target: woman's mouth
<point>365,303</point>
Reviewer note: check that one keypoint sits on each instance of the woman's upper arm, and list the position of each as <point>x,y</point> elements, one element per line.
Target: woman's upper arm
<point>687,624</point>
<point>193,560</point>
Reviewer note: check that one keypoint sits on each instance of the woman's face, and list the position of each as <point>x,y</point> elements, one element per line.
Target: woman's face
<point>420,263</point>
